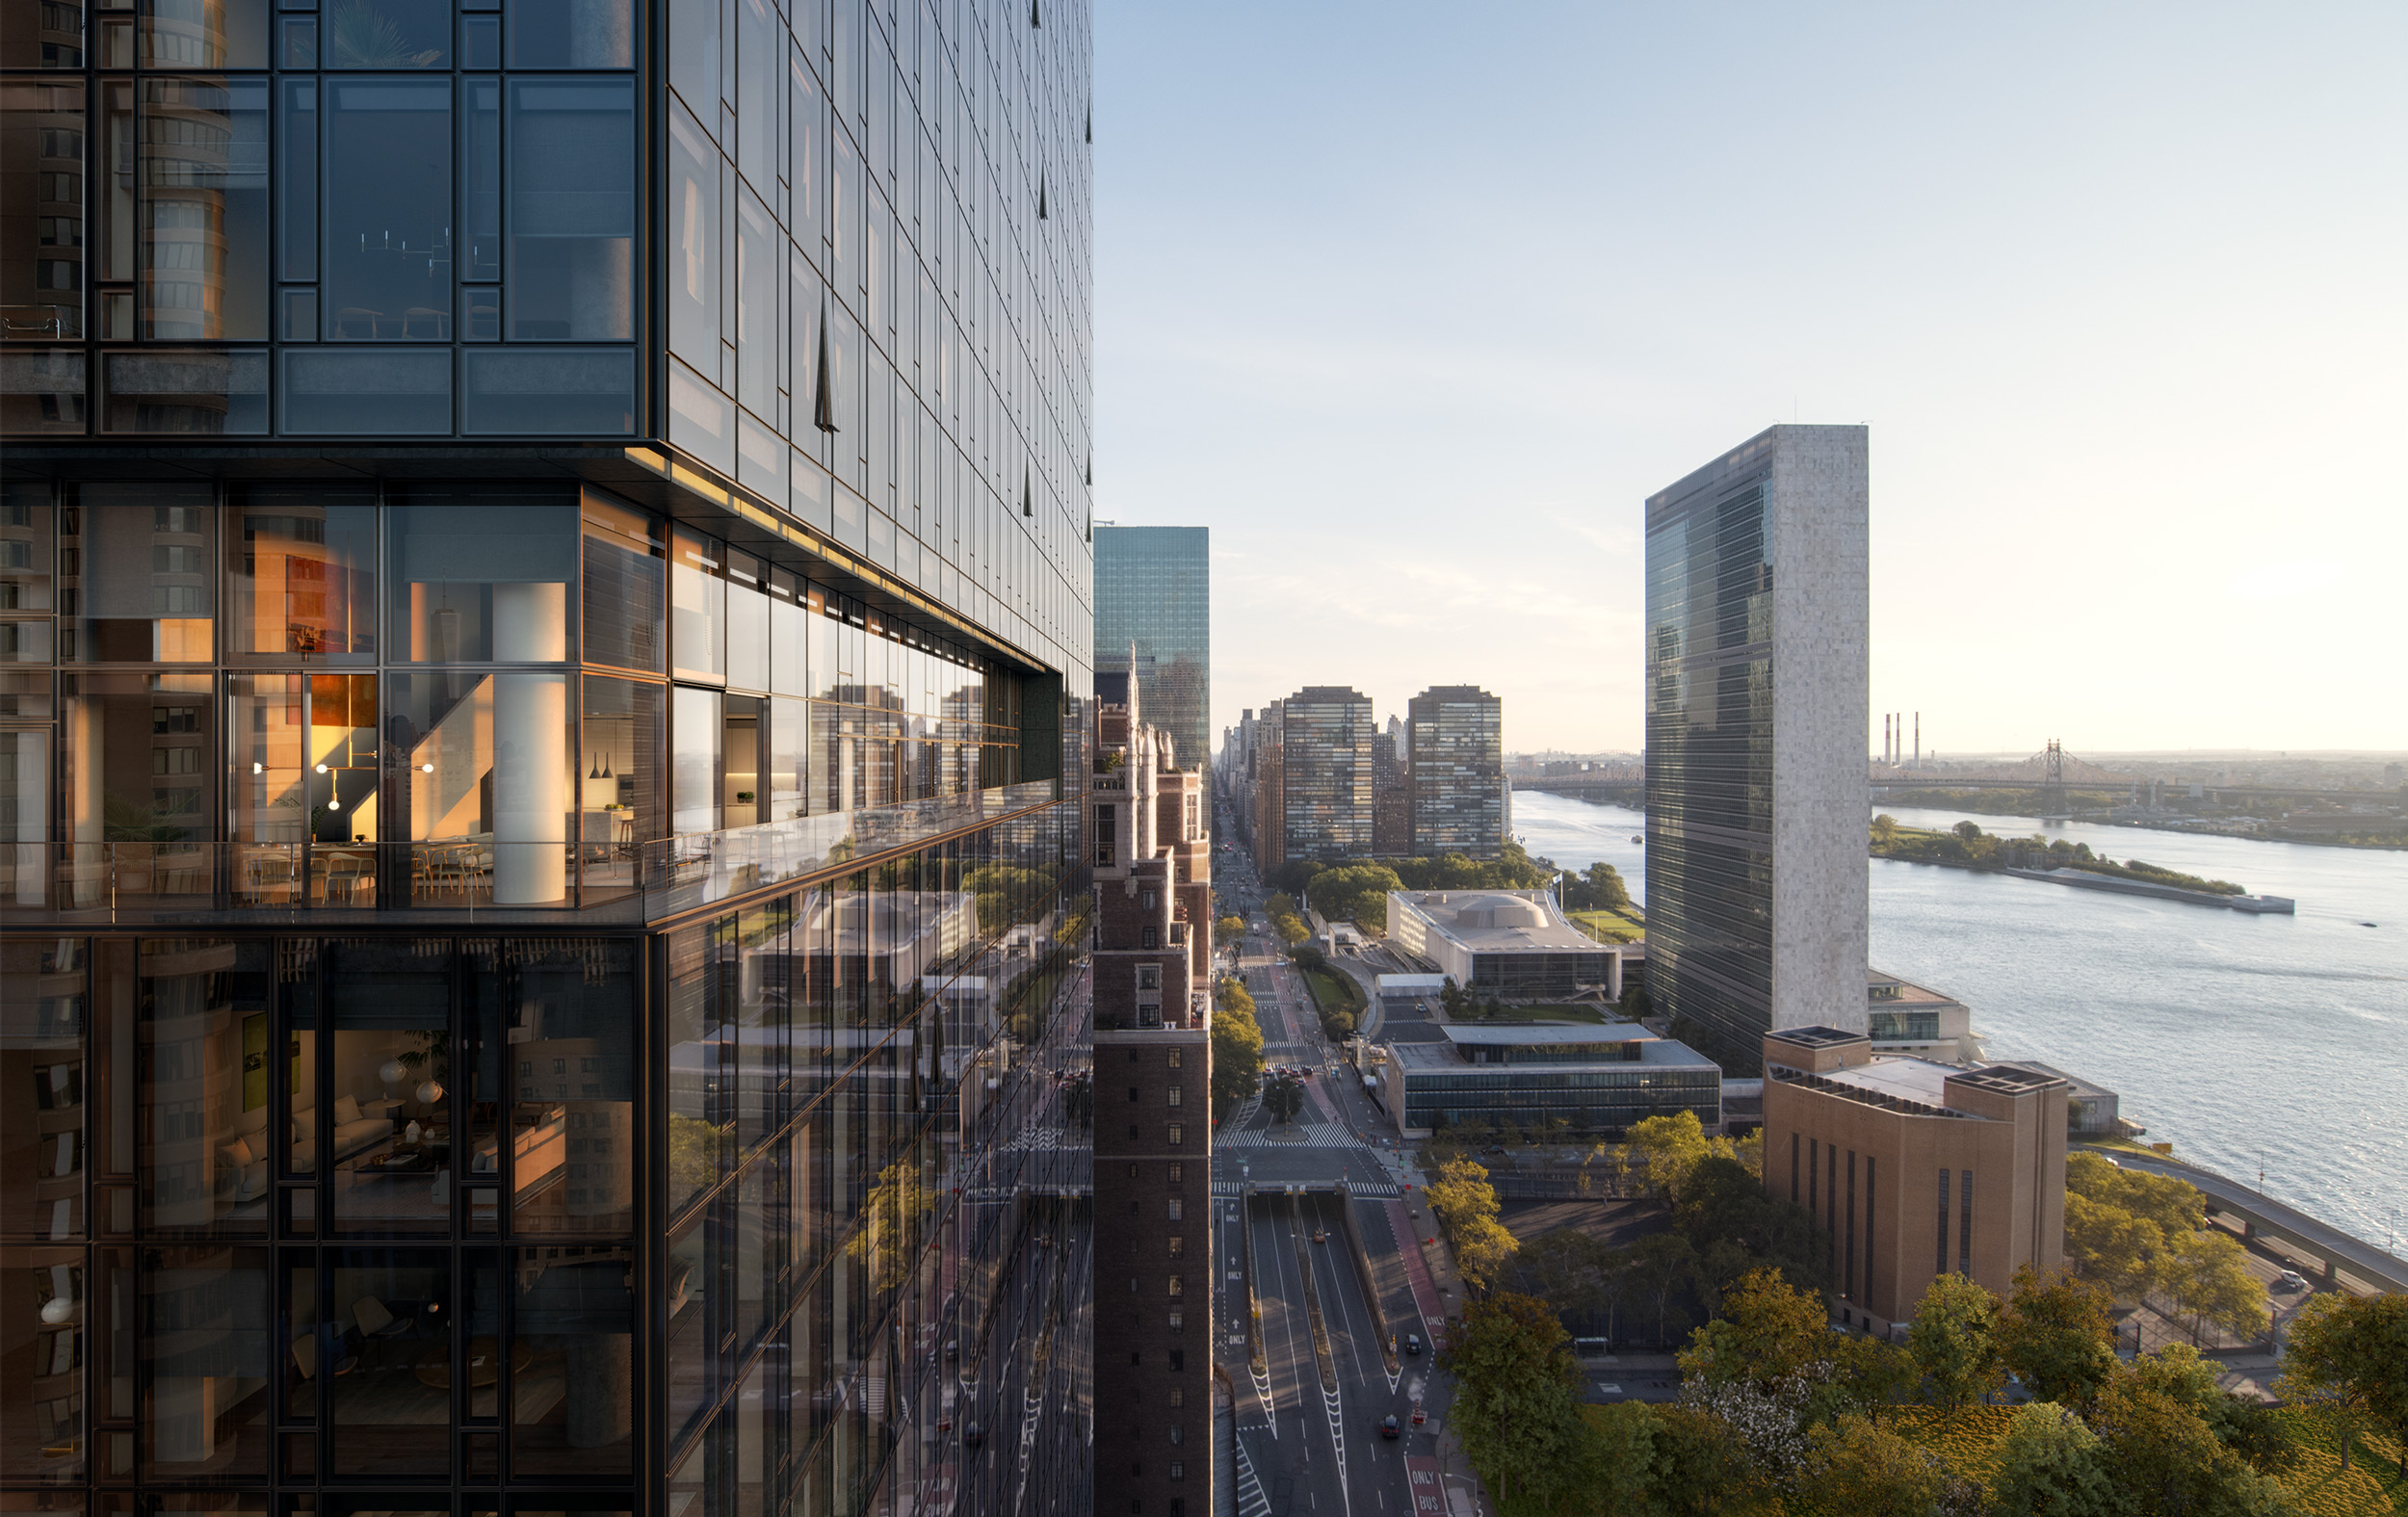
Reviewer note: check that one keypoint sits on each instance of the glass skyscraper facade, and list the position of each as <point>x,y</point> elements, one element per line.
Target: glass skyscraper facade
<point>545,640</point>
<point>1457,771</point>
<point>1326,773</point>
<point>1710,769</point>
<point>1153,589</point>
<point>1752,927</point>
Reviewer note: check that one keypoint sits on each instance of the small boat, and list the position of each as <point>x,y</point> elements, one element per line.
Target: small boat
<point>1639,838</point>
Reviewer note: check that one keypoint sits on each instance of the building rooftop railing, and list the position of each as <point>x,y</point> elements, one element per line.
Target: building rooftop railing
<point>594,880</point>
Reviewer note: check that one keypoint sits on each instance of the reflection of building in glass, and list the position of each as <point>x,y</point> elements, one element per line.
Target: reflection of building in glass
<point>1153,594</point>
<point>1756,865</point>
<point>533,965</point>
<point>1147,825</point>
<point>1456,734</point>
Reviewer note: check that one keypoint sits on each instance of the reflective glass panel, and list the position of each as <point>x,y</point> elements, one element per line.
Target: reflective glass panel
<point>388,209</point>
<point>479,579</point>
<point>574,1413</point>
<point>304,572</point>
<point>42,1069</point>
<point>573,223</point>
<point>392,1412</point>
<point>139,570</point>
<point>41,209</point>
<point>385,1118</point>
<point>205,208</point>
<point>204,1139</point>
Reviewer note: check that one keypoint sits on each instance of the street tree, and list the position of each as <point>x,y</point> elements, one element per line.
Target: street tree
<point>1955,1339</point>
<point>1854,1467</point>
<point>1460,1192</point>
<point>2207,1274</point>
<point>2351,1353</point>
<point>1660,1151</point>
<point>1237,1054</point>
<point>1283,1097</point>
<point>1484,1252</point>
<point>2050,1465</point>
<point>1514,1408</point>
<point>1659,1264</point>
<point>2057,1336</point>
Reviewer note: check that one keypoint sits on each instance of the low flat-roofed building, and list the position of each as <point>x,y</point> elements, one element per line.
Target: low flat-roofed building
<point>2094,1108</point>
<point>1597,1078</point>
<point>1907,1018</point>
<point>1911,1168</point>
<point>1513,943</point>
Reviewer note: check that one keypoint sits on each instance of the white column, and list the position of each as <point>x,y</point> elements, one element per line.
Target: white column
<point>530,746</point>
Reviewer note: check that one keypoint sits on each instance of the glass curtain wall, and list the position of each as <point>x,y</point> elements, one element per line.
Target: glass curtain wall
<point>363,1213</point>
<point>335,696</point>
<point>844,1254</point>
<point>374,1206</point>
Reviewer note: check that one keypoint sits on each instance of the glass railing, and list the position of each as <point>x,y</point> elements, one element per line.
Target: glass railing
<point>620,880</point>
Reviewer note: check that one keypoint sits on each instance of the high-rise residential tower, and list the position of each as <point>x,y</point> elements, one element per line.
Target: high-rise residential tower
<point>1457,769</point>
<point>1757,709</point>
<point>546,607</point>
<point>1152,595</point>
<point>1326,773</point>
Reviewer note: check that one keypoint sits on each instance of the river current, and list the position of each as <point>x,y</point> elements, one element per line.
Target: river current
<point>2252,1043</point>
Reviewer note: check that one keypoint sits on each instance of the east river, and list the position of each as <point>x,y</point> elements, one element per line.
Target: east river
<point>2252,1043</point>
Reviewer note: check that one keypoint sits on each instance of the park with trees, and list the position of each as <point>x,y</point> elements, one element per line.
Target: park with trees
<point>1779,1412</point>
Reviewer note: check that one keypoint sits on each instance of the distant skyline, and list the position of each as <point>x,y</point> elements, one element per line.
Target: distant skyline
<point>1414,306</point>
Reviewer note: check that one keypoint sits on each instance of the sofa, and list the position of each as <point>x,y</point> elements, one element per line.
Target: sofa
<point>354,1132</point>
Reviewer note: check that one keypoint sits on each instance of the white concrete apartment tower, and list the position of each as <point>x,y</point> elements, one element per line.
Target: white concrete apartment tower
<point>1757,610</point>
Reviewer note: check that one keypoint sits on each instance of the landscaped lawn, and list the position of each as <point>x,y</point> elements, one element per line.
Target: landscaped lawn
<point>1608,927</point>
<point>1333,991</point>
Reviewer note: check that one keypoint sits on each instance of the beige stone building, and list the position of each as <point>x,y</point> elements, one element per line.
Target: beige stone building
<point>1913,1169</point>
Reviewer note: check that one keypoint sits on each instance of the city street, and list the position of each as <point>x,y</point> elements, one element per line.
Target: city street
<point>1309,1422</point>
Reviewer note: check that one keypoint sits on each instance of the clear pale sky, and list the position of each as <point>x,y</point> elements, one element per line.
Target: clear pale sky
<point>1414,304</point>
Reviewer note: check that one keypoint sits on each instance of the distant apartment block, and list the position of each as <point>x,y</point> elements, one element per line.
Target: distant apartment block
<point>1392,795</point>
<point>1326,773</point>
<point>1756,805</point>
<point>1457,763</point>
<point>1913,1169</point>
<point>1153,595</point>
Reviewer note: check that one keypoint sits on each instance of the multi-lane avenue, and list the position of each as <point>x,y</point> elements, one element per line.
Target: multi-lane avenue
<point>1310,1406</point>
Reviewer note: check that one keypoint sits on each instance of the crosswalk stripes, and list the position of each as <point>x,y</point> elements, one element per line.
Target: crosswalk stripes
<point>1293,1135</point>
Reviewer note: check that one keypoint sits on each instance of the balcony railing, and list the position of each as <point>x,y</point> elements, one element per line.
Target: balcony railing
<point>476,878</point>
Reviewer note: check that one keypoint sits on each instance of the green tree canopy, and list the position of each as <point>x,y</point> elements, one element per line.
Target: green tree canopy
<point>1514,1408</point>
<point>2050,1465</point>
<point>2351,1354</point>
<point>1956,1339</point>
<point>1353,892</point>
<point>1283,1097</point>
<point>1598,888</point>
<point>1237,1054</point>
<point>2057,1336</point>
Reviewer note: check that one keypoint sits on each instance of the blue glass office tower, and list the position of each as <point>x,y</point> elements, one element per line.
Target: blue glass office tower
<point>1153,592</point>
<point>1757,707</point>
<point>544,637</point>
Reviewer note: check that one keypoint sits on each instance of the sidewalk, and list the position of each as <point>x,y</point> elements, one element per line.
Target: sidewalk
<point>1466,1495</point>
